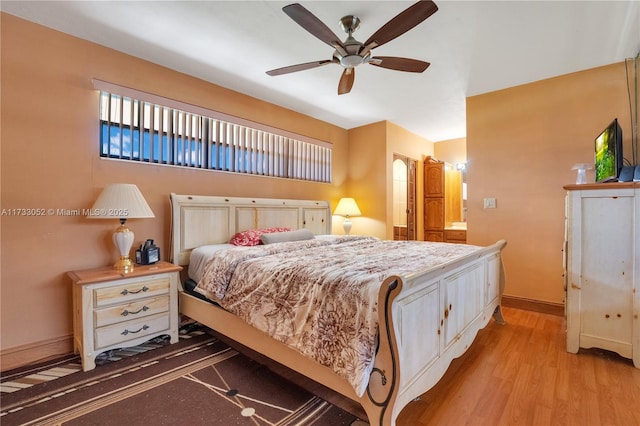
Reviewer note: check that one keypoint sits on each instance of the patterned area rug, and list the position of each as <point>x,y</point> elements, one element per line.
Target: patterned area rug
<point>199,380</point>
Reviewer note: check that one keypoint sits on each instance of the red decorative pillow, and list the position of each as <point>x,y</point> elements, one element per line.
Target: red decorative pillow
<point>251,237</point>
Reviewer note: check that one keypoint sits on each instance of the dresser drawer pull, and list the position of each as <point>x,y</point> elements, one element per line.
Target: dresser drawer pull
<point>125,332</point>
<point>127,312</point>
<point>125,291</point>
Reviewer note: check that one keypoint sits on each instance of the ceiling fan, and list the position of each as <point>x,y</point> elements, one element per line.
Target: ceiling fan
<point>351,53</point>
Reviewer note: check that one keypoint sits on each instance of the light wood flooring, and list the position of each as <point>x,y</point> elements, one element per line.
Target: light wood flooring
<point>518,374</point>
<point>521,374</point>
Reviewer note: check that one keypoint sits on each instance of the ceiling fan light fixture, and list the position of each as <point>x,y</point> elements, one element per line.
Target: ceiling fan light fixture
<point>350,61</point>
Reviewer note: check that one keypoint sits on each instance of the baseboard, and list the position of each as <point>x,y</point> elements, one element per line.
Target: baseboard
<point>35,352</point>
<point>533,305</point>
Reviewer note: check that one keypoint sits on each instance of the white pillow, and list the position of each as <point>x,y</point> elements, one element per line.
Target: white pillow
<point>200,256</point>
<point>281,237</point>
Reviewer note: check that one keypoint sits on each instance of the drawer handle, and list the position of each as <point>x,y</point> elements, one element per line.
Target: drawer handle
<point>144,327</point>
<point>126,312</point>
<point>125,291</point>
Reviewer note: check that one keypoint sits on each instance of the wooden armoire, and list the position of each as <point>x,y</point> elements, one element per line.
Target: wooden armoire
<point>442,202</point>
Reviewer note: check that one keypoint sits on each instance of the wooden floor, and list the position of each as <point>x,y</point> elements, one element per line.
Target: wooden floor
<point>521,374</point>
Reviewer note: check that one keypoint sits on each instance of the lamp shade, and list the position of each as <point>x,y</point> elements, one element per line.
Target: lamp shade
<point>347,207</point>
<point>120,201</point>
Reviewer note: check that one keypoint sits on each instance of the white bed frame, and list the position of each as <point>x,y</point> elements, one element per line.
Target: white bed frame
<point>427,319</point>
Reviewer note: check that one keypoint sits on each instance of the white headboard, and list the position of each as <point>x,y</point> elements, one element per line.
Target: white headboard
<point>198,220</point>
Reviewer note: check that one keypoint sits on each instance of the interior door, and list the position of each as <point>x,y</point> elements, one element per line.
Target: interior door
<point>404,197</point>
<point>411,199</point>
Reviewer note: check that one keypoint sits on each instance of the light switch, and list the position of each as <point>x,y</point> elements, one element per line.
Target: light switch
<point>489,203</point>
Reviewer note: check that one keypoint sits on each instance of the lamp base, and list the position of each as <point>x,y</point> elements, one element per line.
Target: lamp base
<point>124,265</point>
<point>347,225</point>
<point>123,240</point>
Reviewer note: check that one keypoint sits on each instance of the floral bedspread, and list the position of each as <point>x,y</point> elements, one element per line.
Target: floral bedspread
<point>319,296</point>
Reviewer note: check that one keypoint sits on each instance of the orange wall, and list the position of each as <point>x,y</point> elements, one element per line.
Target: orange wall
<point>368,179</point>
<point>521,145</point>
<point>401,141</point>
<point>50,159</point>
<point>371,174</point>
<point>452,151</point>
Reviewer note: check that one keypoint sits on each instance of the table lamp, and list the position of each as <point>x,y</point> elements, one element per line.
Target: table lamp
<point>121,201</point>
<point>347,207</point>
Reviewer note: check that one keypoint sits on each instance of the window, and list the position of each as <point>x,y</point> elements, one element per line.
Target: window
<point>141,127</point>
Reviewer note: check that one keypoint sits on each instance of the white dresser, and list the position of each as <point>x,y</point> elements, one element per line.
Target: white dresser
<point>603,268</point>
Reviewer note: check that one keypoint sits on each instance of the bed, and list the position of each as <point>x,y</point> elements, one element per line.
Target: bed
<point>424,316</point>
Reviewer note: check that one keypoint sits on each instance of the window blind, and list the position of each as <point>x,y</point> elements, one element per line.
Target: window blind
<point>142,127</point>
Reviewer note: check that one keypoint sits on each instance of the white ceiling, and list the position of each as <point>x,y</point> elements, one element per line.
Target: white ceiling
<point>474,47</point>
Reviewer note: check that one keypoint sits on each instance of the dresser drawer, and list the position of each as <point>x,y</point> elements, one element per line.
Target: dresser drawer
<point>130,311</point>
<point>455,235</point>
<point>132,290</point>
<point>435,236</point>
<point>124,331</point>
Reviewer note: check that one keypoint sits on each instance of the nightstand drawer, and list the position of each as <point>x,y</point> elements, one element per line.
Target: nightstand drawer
<point>132,290</point>
<point>122,332</point>
<point>131,311</point>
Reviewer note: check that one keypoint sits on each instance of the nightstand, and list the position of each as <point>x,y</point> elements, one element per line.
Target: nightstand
<point>114,310</point>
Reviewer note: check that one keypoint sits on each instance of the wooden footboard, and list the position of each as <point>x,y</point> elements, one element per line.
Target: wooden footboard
<point>436,317</point>
<point>425,321</point>
<point>429,319</point>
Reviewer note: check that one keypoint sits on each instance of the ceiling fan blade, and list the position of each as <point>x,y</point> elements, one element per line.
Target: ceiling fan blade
<point>399,64</point>
<point>402,23</point>
<point>346,81</point>
<point>299,67</point>
<point>315,26</point>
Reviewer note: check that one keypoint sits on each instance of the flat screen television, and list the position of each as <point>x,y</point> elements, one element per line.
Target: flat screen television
<point>608,146</point>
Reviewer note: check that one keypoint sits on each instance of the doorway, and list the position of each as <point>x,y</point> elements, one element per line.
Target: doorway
<point>404,197</point>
